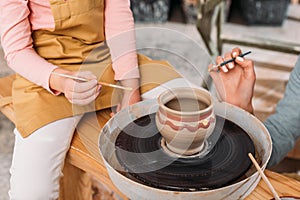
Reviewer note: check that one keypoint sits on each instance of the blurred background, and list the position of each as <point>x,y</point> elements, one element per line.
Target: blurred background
<point>269,28</point>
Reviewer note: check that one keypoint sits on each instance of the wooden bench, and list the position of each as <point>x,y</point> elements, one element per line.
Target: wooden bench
<point>84,169</point>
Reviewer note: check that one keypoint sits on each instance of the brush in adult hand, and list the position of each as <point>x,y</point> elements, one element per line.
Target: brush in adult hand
<point>86,80</point>
<point>227,61</point>
<point>264,177</point>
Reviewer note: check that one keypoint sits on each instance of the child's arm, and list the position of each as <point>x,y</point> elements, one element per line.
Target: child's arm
<point>120,36</point>
<point>15,31</point>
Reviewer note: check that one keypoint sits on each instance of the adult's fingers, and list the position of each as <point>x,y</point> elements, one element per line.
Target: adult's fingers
<point>219,60</point>
<point>228,57</point>
<point>248,67</point>
<point>212,68</point>
<point>235,52</point>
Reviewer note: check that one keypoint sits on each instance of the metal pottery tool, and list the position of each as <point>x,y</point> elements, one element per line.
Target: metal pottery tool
<point>86,80</point>
<point>227,61</point>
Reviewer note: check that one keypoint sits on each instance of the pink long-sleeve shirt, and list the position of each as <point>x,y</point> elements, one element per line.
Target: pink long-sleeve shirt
<point>19,17</point>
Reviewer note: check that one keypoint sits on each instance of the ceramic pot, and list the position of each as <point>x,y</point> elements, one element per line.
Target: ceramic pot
<point>185,119</point>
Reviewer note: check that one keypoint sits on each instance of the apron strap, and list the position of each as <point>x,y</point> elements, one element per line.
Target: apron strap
<point>5,101</point>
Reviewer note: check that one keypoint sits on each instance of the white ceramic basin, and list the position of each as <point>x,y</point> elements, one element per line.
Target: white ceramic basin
<point>136,191</point>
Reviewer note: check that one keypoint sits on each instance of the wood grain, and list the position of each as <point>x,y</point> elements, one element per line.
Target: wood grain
<point>283,185</point>
<point>75,184</point>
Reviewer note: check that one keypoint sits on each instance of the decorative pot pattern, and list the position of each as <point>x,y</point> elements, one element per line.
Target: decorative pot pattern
<point>203,122</point>
<point>185,119</point>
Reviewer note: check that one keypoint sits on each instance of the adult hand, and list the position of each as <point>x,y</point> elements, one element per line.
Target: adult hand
<point>235,81</point>
<point>77,92</point>
<point>129,97</point>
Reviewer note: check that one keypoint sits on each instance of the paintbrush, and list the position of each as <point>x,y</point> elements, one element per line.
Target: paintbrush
<point>86,80</point>
<point>227,61</point>
<point>264,177</point>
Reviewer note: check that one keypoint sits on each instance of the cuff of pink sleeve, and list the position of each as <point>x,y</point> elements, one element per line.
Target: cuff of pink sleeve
<point>38,70</point>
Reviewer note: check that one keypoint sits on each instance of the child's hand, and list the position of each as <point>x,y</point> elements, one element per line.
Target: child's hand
<point>129,97</point>
<point>235,81</point>
<point>77,92</point>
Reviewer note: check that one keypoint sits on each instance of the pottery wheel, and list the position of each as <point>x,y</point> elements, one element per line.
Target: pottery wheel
<point>225,164</point>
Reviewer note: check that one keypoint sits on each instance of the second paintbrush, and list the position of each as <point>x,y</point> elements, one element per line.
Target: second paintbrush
<point>85,80</point>
<point>227,61</point>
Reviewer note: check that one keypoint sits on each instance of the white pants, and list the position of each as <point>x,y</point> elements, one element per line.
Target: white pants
<point>38,159</point>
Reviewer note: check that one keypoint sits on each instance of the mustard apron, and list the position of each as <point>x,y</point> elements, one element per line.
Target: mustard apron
<point>76,43</point>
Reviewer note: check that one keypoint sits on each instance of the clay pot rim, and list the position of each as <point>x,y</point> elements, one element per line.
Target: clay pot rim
<point>186,113</point>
